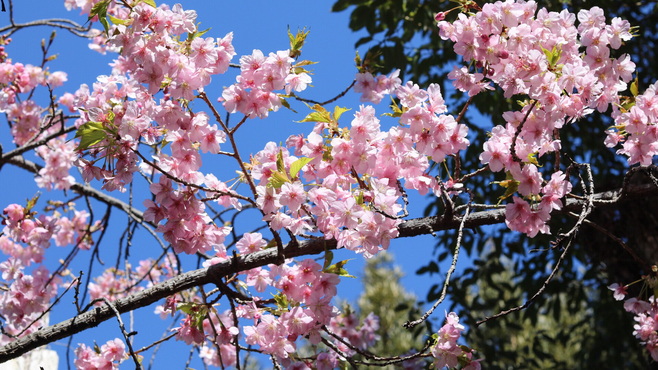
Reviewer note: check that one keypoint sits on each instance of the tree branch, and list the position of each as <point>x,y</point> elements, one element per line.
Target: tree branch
<point>215,273</point>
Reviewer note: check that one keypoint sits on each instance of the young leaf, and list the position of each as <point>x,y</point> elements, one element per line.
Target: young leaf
<point>150,2</point>
<point>277,179</point>
<point>397,112</point>
<point>90,133</point>
<point>280,166</point>
<point>99,8</point>
<point>90,139</point>
<point>185,307</point>
<point>359,197</point>
<point>31,203</point>
<point>285,103</point>
<point>297,41</point>
<point>303,63</point>
<point>634,88</point>
<point>124,22</point>
<point>316,117</point>
<point>328,257</point>
<point>281,301</point>
<point>510,184</point>
<point>297,165</point>
<point>338,111</point>
<point>320,115</point>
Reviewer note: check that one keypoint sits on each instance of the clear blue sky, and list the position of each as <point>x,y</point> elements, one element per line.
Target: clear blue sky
<point>256,25</point>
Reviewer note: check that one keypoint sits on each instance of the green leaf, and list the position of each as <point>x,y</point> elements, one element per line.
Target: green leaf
<point>340,5</point>
<point>297,41</point>
<point>195,34</point>
<point>280,166</point>
<point>359,197</point>
<point>105,23</point>
<point>634,87</point>
<point>99,8</point>
<point>338,111</point>
<point>397,112</point>
<point>150,2</point>
<point>120,21</point>
<point>97,349</point>
<point>31,203</point>
<point>303,63</point>
<point>291,37</point>
<point>328,257</point>
<point>281,301</point>
<point>277,179</point>
<point>320,115</point>
<point>316,117</point>
<point>285,103</point>
<point>90,139</point>
<point>297,165</point>
<point>299,66</point>
<point>557,53</point>
<point>90,134</point>
<point>185,307</point>
<point>549,54</point>
<point>270,244</point>
<point>510,184</point>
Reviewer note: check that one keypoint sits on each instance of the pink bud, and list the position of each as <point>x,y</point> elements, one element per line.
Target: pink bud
<point>503,54</point>
<point>440,16</point>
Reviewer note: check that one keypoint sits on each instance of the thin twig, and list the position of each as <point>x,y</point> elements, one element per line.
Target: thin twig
<point>515,157</point>
<point>310,101</point>
<point>126,335</point>
<point>411,324</point>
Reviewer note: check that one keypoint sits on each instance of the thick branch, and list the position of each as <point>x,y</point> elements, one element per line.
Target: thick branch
<point>215,273</point>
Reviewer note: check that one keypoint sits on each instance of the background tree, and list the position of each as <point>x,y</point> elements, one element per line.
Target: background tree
<point>404,35</point>
<point>385,296</point>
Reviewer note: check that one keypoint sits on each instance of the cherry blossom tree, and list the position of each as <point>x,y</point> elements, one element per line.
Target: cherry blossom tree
<point>151,121</point>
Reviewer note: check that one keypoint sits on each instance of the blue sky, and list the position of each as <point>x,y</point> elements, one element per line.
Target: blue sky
<point>256,25</point>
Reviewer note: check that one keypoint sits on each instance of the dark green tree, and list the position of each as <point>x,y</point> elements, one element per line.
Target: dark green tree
<point>576,315</point>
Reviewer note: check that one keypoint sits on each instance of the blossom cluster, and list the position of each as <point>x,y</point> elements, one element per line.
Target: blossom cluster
<point>107,357</point>
<point>153,59</point>
<point>446,351</point>
<point>253,94</point>
<point>636,128</point>
<point>305,291</point>
<point>188,228</point>
<point>646,315</point>
<point>25,295</point>
<point>24,239</point>
<point>357,172</point>
<point>30,122</point>
<point>538,54</point>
